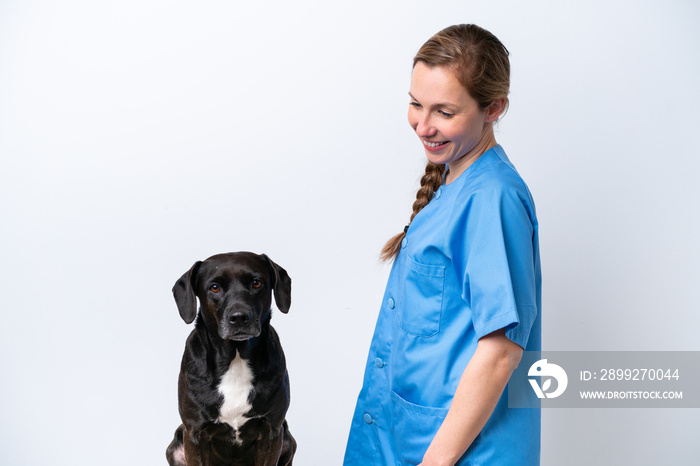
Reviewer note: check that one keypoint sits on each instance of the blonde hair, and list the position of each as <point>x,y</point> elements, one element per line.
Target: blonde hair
<point>480,62</point>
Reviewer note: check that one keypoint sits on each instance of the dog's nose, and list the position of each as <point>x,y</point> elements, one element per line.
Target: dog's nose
<point>239,317</point>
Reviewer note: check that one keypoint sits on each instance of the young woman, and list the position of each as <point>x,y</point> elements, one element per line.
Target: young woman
<point>463,296</point>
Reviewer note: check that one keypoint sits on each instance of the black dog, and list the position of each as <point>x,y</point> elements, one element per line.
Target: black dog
<point>234,388</point>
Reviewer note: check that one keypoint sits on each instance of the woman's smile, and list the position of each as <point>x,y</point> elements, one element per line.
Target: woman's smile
<point>434,146</point>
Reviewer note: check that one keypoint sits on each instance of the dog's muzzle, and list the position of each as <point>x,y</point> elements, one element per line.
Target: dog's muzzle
<point>239,324</point>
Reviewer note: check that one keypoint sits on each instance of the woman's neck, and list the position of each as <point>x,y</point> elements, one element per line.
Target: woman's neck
<point>458,167</point>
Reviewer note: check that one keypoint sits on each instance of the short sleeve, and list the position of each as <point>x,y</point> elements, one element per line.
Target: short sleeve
<point>495,257</point>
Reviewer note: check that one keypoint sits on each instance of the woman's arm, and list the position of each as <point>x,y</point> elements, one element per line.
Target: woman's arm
<point>478,392</point>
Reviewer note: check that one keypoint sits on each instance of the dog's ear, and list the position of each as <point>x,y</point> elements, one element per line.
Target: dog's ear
<point>282,286</point>
<point>184,294</point>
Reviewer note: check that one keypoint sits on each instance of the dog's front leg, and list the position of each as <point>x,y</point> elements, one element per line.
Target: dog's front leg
<point>193,452</point>
<point>269,448</point>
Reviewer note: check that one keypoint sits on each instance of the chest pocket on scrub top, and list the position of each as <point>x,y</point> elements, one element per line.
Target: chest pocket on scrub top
<point>421,307</point>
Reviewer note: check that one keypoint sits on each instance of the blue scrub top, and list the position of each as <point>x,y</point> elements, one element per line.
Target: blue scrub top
<point>469,265</point>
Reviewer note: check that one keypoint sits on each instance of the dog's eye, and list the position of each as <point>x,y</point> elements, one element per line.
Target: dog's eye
<point>215,288</point>
<point>257,283</point>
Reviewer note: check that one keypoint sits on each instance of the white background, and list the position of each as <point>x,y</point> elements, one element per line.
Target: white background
<point>139,136</point>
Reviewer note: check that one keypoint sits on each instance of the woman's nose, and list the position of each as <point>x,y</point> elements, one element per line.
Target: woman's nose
<point>424,127</point>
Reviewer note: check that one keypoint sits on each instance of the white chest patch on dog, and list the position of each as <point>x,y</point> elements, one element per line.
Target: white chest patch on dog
<point>235,387</point>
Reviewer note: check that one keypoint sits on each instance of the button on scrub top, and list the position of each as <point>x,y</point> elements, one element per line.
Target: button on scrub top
<point>469,265</point>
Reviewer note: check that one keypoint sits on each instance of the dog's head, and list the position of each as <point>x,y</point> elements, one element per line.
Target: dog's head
<point>235,293</point>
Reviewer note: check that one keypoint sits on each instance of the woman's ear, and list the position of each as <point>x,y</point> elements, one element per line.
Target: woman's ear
<point>496,109</point>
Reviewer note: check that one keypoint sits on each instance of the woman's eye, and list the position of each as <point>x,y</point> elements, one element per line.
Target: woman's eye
<point>446,114</point>
<point>415,104</point>
<point>257,283</point>
<point>215,288</point>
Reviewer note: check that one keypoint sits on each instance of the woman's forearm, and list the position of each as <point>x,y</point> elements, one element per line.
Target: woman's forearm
<point>477,394</point>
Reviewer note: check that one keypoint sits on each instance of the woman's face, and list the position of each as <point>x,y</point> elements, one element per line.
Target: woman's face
<point>448,121</point>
